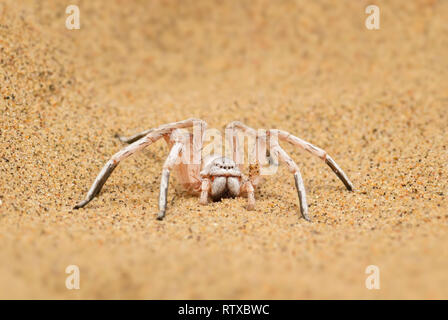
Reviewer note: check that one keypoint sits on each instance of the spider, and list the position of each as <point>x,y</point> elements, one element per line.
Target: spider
<point>215,176</point>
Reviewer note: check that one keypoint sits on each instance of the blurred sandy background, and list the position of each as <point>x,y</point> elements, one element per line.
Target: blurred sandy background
<point>377,101</point>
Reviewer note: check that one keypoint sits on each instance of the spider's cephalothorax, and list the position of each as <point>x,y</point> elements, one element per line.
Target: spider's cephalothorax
<point>214,176</point>
<point>225,177</point>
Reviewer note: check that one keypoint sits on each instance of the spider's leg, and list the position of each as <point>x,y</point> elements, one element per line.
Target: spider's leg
<point>241,126</point>
<point>317,152</point>
<point>338,171</point>
<point>232,145</point>
<point>255,160</point>
<point>168,165</point>
<point>134,137</point>
<point>112,164</point>
<point>138,144</point>
<point>232,140</point>
<point>292,166</point>
<point>174,125</point>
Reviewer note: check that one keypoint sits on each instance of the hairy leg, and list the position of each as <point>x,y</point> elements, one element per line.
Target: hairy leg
<point>275,148</point>
<point>231,130</point>
<point>111,165</point>
<point>317,152</point>
<point>168,165</point>
<point>284,135</point>
<point>134,137</point>
<point>293,168</point>
<point>139,144</point>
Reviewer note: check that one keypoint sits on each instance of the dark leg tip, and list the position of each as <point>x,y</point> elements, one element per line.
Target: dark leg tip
<point>160,216</point>
<point>81,205</point>
<point>119,137</point>
<point>305,215</point>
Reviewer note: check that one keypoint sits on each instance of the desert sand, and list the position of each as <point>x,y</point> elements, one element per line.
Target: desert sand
<point>375,100</point>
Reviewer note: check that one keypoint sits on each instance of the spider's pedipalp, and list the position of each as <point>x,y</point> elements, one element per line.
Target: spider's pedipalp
<point>248,188</point>
<point>206,186</point>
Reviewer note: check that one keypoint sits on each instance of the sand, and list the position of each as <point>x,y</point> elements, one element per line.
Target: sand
<point>376,101</point>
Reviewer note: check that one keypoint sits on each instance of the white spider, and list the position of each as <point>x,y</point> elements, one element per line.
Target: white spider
<point>214,176</point>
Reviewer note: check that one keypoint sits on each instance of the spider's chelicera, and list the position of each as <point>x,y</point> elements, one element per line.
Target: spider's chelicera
<point>215,176</point>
